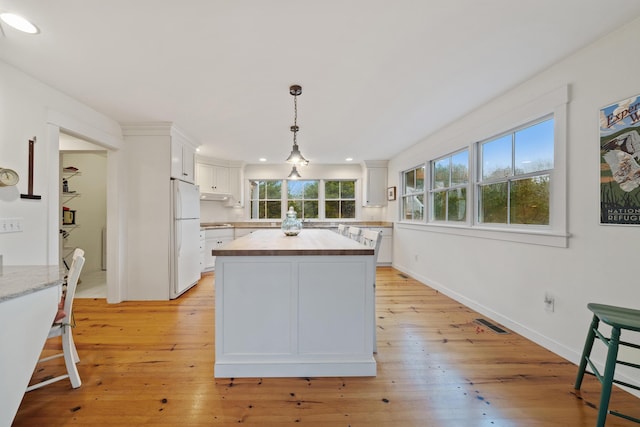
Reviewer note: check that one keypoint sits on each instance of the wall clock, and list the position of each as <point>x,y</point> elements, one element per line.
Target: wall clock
<point>8,177</point>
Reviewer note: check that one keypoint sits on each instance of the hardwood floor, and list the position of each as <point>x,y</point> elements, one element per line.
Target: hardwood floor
<point>151,363</point>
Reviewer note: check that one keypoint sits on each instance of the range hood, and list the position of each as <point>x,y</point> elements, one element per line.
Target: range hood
<point>215,196</point>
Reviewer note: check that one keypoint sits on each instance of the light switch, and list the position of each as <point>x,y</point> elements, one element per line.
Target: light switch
<point>10,225</point>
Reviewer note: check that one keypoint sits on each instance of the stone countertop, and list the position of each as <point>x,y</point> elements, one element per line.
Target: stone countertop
<point>305,225</point>
<point>19,280</point>
<point>215,225</point>
<point>307,243</point>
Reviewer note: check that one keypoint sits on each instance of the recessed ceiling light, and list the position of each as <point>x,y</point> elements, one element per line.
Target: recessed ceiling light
<point>19,23</point>
<point>262,159</point>
<point>349,159</point>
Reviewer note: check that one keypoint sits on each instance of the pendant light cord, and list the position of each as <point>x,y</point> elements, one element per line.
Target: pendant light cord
<point>295,118</point>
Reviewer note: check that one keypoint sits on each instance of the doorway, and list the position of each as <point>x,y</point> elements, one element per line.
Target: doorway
<point>83,201</point>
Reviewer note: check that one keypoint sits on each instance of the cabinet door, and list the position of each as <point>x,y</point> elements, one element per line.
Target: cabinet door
<point>212,178</point>
<point>182,161</point>
<point>214,239</point>
<point>236,188</point>
<point>176,159</point>
<point>202,251</point>
<point>386,250</point>
<point>209,260</point>
<point>220,179</point>
<point>188,163</point>
<point>204,177</point>
<point>375,193</point>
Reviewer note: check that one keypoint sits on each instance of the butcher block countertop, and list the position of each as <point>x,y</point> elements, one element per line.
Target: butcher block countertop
<point>308,242</point>
<point>306,224</point>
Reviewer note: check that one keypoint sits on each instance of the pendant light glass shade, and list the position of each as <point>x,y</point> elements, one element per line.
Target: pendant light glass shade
<point>294,173</point>
<point>296,156</point>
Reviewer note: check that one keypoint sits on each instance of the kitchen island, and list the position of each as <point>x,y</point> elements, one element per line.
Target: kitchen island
<point>29,297</point>
<point>294,306</point>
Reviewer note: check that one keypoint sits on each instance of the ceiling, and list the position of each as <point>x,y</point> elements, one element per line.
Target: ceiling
<point>377,76</point>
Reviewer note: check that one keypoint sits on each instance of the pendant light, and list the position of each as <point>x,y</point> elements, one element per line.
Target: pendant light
<point>294,173</point>
<point>296,156</point>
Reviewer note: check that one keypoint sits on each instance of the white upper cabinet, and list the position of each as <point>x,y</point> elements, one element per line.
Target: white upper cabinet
<point>212,178</point>
<point>182,159</point>
<point>220,180</point>
<point>375,183</point>
<point>236,187</point>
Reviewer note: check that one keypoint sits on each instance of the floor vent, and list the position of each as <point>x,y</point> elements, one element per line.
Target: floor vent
<point>404,276</point>
<point>494,328</point>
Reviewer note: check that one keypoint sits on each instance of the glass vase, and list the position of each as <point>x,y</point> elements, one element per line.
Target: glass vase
<point>291,225</point>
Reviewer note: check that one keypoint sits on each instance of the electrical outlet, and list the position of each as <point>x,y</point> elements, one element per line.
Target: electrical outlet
<point>10,225</point>
<point>549,303</point>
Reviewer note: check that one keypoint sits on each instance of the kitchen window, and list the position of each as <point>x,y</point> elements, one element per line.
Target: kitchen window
<point>340,199</point>
<point>514,176</point>
<point>413,197</point>
<point>266,199</point>
<point>449,183</point>
<point>303,196</point>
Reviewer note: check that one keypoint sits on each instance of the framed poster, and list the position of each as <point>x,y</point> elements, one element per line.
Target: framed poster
<point>391,193</point>
<point>619,167</point>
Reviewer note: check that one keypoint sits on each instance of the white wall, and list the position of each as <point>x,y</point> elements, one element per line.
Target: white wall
<point>507,281</point>
<point>29,108</point>
<point>148,211</point>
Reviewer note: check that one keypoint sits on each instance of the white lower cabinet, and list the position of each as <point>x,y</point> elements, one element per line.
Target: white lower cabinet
<point>385,256</point>
<point>214,239</point>
<point>202,250</point>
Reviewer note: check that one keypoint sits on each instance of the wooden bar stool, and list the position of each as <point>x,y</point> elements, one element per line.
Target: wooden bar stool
<point>618,318</point>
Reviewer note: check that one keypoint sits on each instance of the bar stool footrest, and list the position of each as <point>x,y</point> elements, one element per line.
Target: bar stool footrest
<point>625,416</point>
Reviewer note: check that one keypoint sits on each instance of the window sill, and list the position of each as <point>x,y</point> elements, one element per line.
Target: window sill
<point>532,237</point>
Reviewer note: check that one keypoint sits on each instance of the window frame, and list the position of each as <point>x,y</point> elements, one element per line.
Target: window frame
<point>510,179</point>
<point>288,201</point>
<point>405,195</point>
<point>446,189</point>
<point>266,199</point>
<point>553,103</point>
<point>284,200</point>
<point>340,199</point>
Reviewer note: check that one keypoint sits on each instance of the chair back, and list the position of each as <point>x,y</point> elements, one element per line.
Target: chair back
<point>372,238</point>
<point>354,233</point>
<point>72,284</point>
<point>342,229</point>
<point>78,252</point>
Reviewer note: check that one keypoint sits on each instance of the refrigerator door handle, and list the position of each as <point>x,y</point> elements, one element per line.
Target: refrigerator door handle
<point>178,238</point>
<point>178,205</point>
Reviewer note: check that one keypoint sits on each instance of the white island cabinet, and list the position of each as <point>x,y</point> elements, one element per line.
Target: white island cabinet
<point>294,306</point>
<point>29,296</point>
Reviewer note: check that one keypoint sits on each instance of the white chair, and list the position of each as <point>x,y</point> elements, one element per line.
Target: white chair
<point>342,229</point>
<point>62,328</point>
<point>373,239</point>
<point>354,233</point>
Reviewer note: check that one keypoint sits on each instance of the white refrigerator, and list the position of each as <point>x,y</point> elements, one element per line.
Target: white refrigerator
<point>185,237</point>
